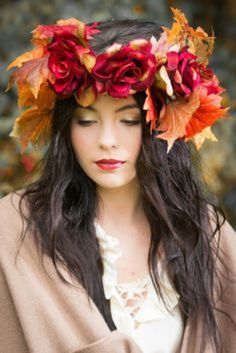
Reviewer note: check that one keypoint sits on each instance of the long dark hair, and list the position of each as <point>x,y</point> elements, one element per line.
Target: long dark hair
<point>176,203</point>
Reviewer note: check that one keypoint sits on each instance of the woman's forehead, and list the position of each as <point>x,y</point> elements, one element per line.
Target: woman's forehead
<point>115,104</point>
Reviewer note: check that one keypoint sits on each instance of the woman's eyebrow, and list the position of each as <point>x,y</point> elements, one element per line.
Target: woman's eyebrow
<point>125,107</point>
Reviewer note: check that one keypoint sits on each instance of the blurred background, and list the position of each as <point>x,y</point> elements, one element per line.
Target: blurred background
<point>18,18</point>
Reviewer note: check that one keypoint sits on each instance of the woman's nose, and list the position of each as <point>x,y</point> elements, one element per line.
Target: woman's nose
<point>107,136</point>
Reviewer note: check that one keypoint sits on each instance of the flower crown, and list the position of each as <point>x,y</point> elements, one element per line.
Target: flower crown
<point>182,94</point>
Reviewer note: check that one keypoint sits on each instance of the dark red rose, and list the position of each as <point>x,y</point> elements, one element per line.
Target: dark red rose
<point>120,71</point>
<point>183,70</point>
<point>209,80</point>
<point>65,65</point>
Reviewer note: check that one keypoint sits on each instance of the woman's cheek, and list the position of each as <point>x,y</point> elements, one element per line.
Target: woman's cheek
<point>81,140</point>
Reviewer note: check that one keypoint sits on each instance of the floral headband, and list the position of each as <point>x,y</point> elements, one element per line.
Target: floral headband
<point>182,94</point>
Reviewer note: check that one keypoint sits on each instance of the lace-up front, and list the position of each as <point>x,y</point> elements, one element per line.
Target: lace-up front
<point>135,307</point>
<point>134,295</point>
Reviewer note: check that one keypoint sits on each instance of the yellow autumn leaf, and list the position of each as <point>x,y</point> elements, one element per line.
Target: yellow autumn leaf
<point>26,97</point>
<point>162,80</point>
<point>33,126</point>
<point>137,44</point>
<point>179,15</point>
<point>33,73</point>
<point>45,100</point>
<point>88,61</point>
<point>87,97</point>
<point>33,54</point>
<point>199,138</point>
<point>175,33</point>
<point>200,44</point>
<point>46,97</point>
<point>112,49</point>
<point>69,21</point>
<point>81,32</point>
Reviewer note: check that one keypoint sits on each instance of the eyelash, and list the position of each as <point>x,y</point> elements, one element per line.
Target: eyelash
<point>127,122</point>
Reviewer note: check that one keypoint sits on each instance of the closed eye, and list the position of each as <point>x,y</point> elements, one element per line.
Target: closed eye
<point>90,122</point>
<point>131,122</point>
<point>85,122</point>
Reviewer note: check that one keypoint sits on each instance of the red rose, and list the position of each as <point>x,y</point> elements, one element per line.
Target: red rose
<point>125,69</point>
<point>209,80</point>
<point>65,65</point>
<point>183,70</point>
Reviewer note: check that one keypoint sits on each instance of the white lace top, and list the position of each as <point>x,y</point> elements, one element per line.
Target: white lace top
<point>135,307</point>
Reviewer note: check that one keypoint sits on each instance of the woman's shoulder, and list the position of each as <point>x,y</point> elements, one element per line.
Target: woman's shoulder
<point>224,244</point>
<point>226,234</point>
<point>9,205</point>
<point>227,243</point>
<point>11,219</point>
<point>5,201</point>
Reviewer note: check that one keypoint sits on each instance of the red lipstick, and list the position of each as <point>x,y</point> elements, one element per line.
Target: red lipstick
<point>109,164</point>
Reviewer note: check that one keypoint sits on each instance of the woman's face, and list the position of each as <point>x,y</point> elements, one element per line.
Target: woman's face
<point>110,128</point>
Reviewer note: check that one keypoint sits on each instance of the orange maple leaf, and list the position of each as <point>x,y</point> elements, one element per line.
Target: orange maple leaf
<point>208,112</point>
<point>26,97</point>
<point>29,55</point>
<point>32,126</point>
<point>200,44</point>
<point>198,41</point>
<point>33,72</point>
<point>45,100</point>
<point>175,33</point>
<point>149,105</point>
<point>177,115</point>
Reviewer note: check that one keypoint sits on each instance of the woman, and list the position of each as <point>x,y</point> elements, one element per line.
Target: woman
<point>119,215</point>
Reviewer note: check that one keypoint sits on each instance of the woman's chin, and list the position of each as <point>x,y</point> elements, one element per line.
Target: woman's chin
<point>112,182</point>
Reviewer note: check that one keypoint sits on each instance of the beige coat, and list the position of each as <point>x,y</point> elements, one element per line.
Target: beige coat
<point>40,314</point>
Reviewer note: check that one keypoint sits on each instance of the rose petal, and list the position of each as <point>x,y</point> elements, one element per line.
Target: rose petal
<point>173,60</point>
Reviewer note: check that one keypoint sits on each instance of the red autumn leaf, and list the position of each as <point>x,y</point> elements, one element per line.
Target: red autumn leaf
<point>208,112</point>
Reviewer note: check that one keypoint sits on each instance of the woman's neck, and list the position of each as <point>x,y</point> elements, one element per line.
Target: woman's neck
<point>120,206</point>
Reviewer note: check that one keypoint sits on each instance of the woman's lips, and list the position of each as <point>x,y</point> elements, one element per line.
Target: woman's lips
<point>109,165</point>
